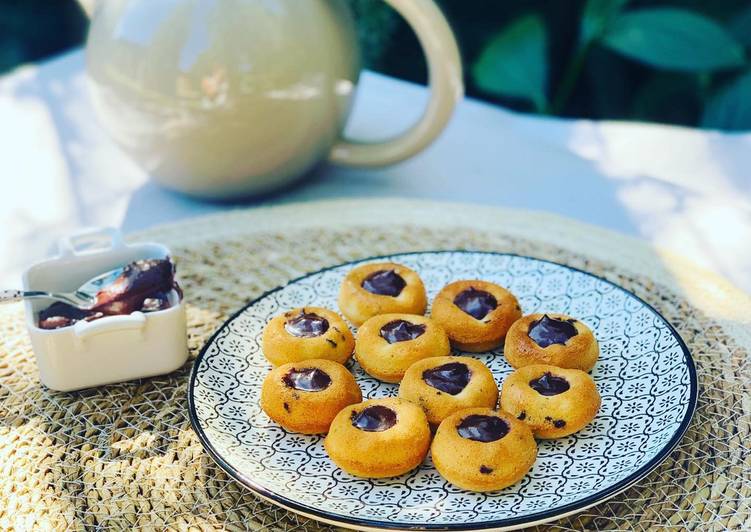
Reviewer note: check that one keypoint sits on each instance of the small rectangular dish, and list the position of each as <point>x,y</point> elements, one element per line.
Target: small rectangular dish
<point>110,349</point>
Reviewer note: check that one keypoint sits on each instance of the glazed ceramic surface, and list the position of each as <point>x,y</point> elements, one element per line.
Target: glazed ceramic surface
<point>110,349</point>
<point>645,375</point>
<point>220,98</point>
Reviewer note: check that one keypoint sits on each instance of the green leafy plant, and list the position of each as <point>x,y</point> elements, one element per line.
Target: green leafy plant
<point>730,107</point>
<point>673,39</point>
<point>514,63</point>
<point>514,60</point>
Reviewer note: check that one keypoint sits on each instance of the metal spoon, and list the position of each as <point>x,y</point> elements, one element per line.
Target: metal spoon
<point>83,298</point>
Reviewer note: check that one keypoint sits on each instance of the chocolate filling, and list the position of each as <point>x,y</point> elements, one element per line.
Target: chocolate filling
<point>140,280</point>
<point>307,325</point>
<point>482,428</point>
<point>401,331</point>
<point>549,385</point>
<point>375,418</point>
<point>158,301</point>
<point>307,379</point>
<point>60,315</point>
<point>451,378</point>
<point>476,303</point>
<point>143,285</point>
<point>384,283</point>
<point>548,331</point>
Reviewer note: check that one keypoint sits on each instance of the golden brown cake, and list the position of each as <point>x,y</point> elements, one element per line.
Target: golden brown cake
<point>382,288</point>
<point>306,396</point>
<point>444,385</point>
<point>307,333</point>
<point>379,438</point>
<point>552,401</point>
<point>479,449</point>
<point>388,344</point>
<point>554,339</point>
<point>475,314</point>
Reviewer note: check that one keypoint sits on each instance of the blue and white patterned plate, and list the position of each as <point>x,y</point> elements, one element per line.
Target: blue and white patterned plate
<point>645,375</point>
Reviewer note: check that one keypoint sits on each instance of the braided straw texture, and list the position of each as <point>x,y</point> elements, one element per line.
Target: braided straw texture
<point>124,456</point>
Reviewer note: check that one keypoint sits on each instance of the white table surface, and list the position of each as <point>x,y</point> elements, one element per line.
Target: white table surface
<point>682,189</point>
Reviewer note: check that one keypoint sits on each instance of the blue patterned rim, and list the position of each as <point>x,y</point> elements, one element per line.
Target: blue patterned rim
<point>530,519</point>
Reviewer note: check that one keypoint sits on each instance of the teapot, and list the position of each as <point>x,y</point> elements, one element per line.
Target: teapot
<point>229,98</point>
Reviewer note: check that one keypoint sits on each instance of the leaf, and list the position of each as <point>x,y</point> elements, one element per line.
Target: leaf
<point>730,107</point>
<point>673,39</point>
<point>607,85</point>
<point>597,16</point>
<point>669,97</point>
<point>740,26</point>
<point>514,63</point>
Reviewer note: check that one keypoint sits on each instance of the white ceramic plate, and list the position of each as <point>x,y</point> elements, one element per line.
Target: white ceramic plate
<point>645,375</point>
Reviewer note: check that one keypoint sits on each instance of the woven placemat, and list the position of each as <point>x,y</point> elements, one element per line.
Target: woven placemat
<point>124,456</point>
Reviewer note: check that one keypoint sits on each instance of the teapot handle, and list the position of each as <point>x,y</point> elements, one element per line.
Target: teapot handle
<point>445,77</point>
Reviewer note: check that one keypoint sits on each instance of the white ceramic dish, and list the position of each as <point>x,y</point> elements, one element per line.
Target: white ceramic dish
<point>645,375</point>
<point>110,349</point>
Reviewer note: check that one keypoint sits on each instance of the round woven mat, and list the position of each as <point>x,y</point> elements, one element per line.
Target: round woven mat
<point>124,456</point>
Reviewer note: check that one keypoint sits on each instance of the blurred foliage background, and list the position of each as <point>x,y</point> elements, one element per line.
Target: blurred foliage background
<point>680,61</point>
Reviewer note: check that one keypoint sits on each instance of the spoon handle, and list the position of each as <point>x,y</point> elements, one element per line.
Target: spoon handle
<point>10,296</point>
<point>13,296</point>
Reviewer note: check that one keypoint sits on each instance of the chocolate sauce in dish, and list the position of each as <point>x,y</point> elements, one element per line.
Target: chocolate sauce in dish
<point>144,285</point>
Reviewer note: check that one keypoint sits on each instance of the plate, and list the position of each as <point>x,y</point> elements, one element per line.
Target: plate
<point>645,375</point>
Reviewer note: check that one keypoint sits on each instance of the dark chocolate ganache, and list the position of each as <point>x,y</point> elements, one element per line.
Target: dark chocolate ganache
<point>307,325</point>
<point>384,283</point>
<point>60,315</point>
<point>476,303</point>
<point>548,331</point>
<point>549,385</point>
<point>401,331</point>
<point>451,378</point>
<point>140,280</point>
<point>158,301</point>
<point>482,428</point>
<point>146,285</point>
<point>375,418</point>
<point>307,379</point>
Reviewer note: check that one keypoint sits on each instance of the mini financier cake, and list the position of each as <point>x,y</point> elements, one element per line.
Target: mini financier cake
<point>479,449</point>
<point>388,344</point>
<point>475,314</point>
<point>554,339</point>
<point>307,333</point>
<point>381,288</point>
<point>306,396</point>
<point>444,385</point>
<point>553,402</point>
<point>379,438</point>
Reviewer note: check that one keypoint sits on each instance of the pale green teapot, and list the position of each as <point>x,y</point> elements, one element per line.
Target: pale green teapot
<point>227,98</point>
